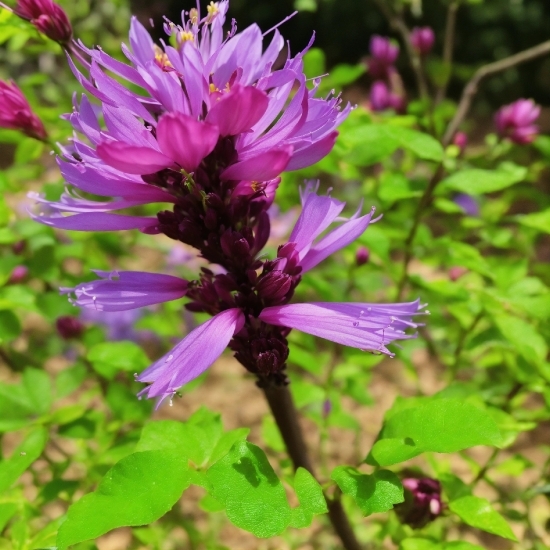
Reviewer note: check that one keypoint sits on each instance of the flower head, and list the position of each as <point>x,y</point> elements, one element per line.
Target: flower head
<point>422,39</point>
<point>16,113</point>
<point>384,53</point>
<point>382,98</point>
<point>460,139</point>
<point>422,501</point>
<point>48,17</point>
<point>516,121</point>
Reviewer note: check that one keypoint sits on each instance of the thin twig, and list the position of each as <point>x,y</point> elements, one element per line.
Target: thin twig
<point>448,47</point>
<point>483,72</point>
<point>284,411</point>
<point>397,22</point>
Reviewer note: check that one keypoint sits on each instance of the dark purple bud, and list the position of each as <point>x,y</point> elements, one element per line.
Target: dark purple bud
<point>16,113</point>
<point>467,203</point>
<point>460,140</point>
<point>69,327</point>
<point>422,502</point>
<point>362,256</point>
<point>274,286</point>
<point>19,274</point>
<point>516,121</point>
<point>18,247</point>
<point>48,17</point>
<point>382,98</point>
<point>383,49</point>
<point>456,272</point>
<point>327,407</point>
<point>422,40</point>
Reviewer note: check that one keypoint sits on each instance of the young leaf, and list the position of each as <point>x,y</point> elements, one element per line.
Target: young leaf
<point>109,358</point>
<point>311,498</point>
<point>475,181</point>
<point>373,493</point>
<point>254,498</point>
<point>137,491</point>
<point>478,512</point>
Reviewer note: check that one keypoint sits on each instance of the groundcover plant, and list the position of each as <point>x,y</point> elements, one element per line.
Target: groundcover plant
<point>394,345</point>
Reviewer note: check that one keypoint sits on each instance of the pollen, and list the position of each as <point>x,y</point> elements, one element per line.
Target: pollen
<point>212,10</point>
<point>186,36</point>
<point>161,58</point>
<point>193,16</point>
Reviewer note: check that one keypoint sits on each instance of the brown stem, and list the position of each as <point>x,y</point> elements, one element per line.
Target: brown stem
<point>448,47</point>
<point>424,201</point>
<point>488,70</point>
<point>284,411</point>
<point>398,24</point>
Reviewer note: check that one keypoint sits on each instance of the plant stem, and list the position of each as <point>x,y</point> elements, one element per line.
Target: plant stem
<point>448,47</point>
<point>488,70</point>
<point>284,411</point>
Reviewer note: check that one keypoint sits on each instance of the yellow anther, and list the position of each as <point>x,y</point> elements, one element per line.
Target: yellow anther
<point>213,88</point>
<point>186,36</point>
<point>160,57</point>
<point>193,16</point>
<point>212,10</point>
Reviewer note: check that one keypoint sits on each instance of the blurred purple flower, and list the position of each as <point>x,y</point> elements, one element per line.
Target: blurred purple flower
<point>383,56</point>
<point>16,113</point>
<point>362,256</point>
<point>516,121</point>
<point>18,274</point>
<point>422,40</point>
<point>69,327</point>
<point>47,16</point>
<point>468,203</point>
<point>381,98</point>
<point>120,325</point>
<point>422,501</point>
<point>460,139</point>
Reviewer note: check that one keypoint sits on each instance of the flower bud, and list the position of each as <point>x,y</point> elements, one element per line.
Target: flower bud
<point>48,17</point>
<point>327,407</point>
<point>456,272</point>
<point>381,98</point>
<point>422,40</point>
<point>383,49</point>
<point>69,327</point>
<point>16,113</point>
<point>422,502</point>
<point>19,274</point>
<point>362,256</point>
<point>460,140</point>
<point>516,121</point>
<point>468,204</point>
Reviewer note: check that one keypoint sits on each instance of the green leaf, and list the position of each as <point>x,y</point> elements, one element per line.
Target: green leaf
<point>478,512</point>
<point>7,511</point>
<point>537,220</point>
<point>311,498</point>
<point>394,187</point>
<point>254,498</point>
<point>373,493</point>
<point>138,490</point>
<point>438,425</point>
<point>22,457</point>
<point>38,389</point>
<point>10,327</point>
<point>368,144</point>
<point>422,145</point>
<point>109,358</point>
<point>475,181</point>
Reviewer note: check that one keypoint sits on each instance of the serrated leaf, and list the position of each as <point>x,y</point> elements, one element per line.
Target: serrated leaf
<point>22,457</point>
<point>373,493</point>
<point>253,496</point>
<point>438,425</point>
<point>138,490</point>
<point>479,513</point>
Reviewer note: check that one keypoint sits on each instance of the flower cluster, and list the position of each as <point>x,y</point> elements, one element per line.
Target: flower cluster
<point>422,501</point>
<point>422,40</point>
<point>209,134</point>
<point>516,121</point>
<point>387,89</point>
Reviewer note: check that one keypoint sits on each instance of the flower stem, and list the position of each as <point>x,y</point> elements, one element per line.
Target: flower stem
<point>284,411</point>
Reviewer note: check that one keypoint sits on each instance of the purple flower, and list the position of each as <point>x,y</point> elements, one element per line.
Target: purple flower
<point>467,203</point>
<point>381,98</point>
<point>362,256</point>
<point>212,113</point>
<point>48,17</point>
<point>69,327</point>
<point>119,325</point>
<point>516,121</point>
<point>422,40</point>
<point>422,501</point>
<point>18,275</point>
<point>460,139</point>
<point>16,113</point>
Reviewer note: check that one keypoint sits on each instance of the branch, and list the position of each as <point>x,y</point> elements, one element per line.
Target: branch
<point>487,70</point>
<point>398,24</point>
<point>448,45</point>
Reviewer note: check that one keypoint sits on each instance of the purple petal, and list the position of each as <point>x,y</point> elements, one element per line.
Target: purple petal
<point>365,326</point>
<point>132,159</point>
<point>238,111</point>
<point>193,355</point>
<point>99,221</point>
<point>122,290</point>
<point>264,167</point>
<point>186,140</point>
<point>313,153</point>
<point>335,240</point>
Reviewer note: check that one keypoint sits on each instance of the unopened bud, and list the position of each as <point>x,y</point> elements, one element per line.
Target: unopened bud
<point>422,40</point>
<point>69,327</point>
<point>362,256</point>
<point>456,272</point>
<point>48,17</point>
<point>517,121</point>
<point>460,140</point>
<point>422,502</point>
<point>19,274</point>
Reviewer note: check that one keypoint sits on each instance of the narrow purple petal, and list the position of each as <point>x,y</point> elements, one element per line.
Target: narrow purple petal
<point>313,153</point>
<point>193,355</point>
<point>132,159</point>
<point>123,290</point>
<point>239,110</point>
<point>99,221</point>
<point>368,327</point>
<point>265,166</point>
<point>186,140</point>
<point>335,240</point>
